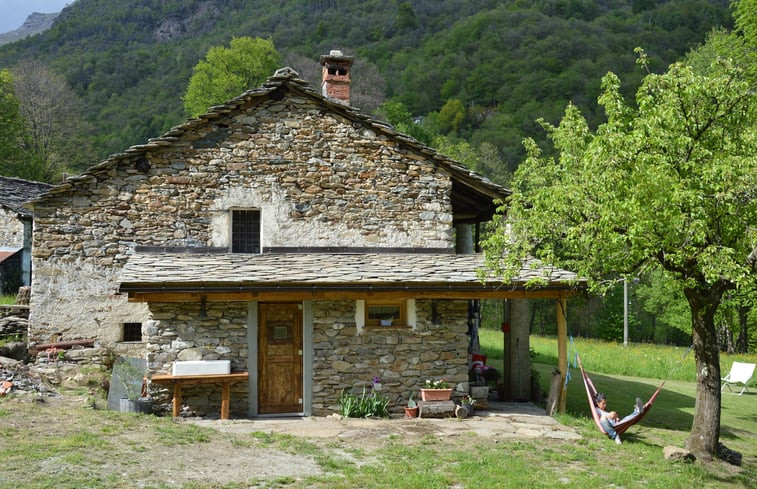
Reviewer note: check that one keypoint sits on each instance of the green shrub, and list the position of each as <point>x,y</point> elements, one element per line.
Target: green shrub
<point>366,405</point>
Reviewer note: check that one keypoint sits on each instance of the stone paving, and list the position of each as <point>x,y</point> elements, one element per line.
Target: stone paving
<point>501,421</point>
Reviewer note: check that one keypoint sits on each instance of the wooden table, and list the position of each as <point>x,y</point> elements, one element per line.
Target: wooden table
<point>224,379</point>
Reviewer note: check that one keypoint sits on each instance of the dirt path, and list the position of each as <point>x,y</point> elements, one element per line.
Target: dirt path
<point>141,453</point>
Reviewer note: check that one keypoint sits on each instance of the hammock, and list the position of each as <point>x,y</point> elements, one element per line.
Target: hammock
<point>591,393</point>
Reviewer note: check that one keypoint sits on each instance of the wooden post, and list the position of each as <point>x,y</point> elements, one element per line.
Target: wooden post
<point>176,408</point>
<point>562,350</point>
<point>225,400</point>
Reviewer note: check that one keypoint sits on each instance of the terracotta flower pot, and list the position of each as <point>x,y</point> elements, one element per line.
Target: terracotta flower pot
<point>411,412</point>
<point>436,394</point>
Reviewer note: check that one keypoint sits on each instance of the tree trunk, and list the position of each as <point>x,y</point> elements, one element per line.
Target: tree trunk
<point>705,430</point>
<point>742,342</point>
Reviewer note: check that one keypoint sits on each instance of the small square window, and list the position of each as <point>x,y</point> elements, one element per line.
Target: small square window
<point>385,313</point>
<point>245,231</point>
<point>132,332</point>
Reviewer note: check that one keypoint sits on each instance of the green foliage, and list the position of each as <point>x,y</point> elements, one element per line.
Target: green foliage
<point>365,405</point>
<point>649,188</point>
<point>398,115</point>
<point>411,402</point>
<point>661,298</point>
<point>227,72</point>
<point>667,185</point>
<point>11,128</point>
<point>451,115</point>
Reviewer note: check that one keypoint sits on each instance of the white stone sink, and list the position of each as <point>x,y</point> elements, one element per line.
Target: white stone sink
<point>201,367</point>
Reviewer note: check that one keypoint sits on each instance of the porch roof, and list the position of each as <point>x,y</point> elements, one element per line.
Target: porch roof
<point>417,274</point>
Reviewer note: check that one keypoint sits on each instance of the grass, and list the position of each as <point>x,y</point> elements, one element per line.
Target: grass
<point>77,447</point>
<point>638,360</point>
<point>7,299</point>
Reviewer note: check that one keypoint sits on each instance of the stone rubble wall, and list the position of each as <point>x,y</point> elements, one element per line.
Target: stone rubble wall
<point>11,229</point>
<point>176,332</point>
<point>346,359</point>
<point>318,179</point>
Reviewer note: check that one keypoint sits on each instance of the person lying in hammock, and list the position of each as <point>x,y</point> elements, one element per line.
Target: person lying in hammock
<point>608,419</point>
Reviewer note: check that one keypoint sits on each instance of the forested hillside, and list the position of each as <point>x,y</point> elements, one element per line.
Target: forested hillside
<point>499,64</point>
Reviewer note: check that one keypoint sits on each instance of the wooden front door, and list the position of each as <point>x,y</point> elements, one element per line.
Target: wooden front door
<point>280,358</point>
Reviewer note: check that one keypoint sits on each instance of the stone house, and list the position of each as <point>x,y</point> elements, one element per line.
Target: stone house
<point>16,232</point>
<point>309,244</point>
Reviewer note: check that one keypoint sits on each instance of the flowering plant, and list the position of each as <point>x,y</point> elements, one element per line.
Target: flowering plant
<point>436,384</point>
<point>376,380</point>
<point>466,399</point>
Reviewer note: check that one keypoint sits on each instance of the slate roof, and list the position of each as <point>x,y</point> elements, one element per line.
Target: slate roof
<point>15,191</point>
<point>288,79</point>
<point>187,272</point>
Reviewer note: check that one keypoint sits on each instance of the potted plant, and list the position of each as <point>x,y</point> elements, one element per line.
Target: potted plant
<point>436,390</point>
<point>411,410</point>
<point>134,383</point>
<point>467,402</point>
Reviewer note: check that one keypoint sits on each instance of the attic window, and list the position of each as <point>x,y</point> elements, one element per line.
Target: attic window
<point>245,231</point>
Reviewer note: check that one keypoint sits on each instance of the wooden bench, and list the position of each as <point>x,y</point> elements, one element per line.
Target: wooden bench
<point>224,379</point>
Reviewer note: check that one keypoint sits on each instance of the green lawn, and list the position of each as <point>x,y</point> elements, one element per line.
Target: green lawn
<point>623,373</point>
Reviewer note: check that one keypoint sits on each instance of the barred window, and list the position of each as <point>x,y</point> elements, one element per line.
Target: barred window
<point>245,231</point>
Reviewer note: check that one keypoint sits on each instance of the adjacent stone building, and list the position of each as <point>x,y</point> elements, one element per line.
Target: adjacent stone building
<point>16,232</point>
<point>312,246</point>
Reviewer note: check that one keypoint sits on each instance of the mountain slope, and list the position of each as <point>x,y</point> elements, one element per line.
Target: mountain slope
<point>34,24</point>
<point>507,62</point>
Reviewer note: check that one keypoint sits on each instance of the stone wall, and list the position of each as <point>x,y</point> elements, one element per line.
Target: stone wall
<point>345,358</point>
<point>348,359</point>
<point>177,332</point>
<point>11,229</point>
<point>318,179</point>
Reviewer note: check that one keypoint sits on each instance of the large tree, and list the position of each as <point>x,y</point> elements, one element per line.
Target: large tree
<point>11,127</point>
<point>58,139</point>
<point>227,72</point>
<point>668,184</point>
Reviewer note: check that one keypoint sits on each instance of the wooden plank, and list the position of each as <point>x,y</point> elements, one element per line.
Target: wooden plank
<point>166,297</point>
<point>200,379</point>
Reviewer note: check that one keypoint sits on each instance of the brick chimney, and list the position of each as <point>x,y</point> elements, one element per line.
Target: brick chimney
<point>336,76</point>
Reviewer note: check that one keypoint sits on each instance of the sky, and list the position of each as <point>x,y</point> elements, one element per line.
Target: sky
<point>13,13</point>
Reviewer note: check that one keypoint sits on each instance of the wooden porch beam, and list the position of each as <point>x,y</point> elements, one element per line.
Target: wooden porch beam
<point>273,295</point>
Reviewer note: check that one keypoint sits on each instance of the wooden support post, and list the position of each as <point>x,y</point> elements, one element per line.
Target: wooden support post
<point>176,400</point>
<point>562,350</point>
<point>225,396</point>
